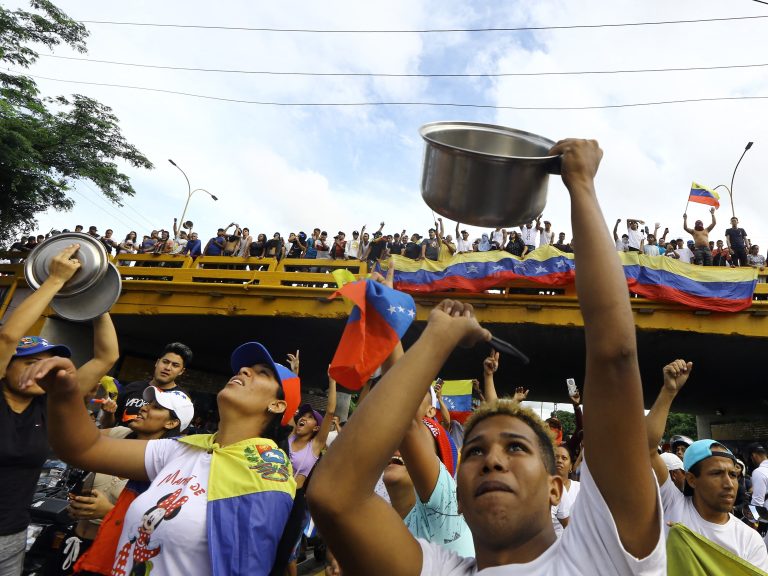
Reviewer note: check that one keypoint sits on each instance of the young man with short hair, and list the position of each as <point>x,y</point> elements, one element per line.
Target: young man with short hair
<point>215,246</point>
<point>737,242</point>
<point>507,481</point>
<point>175,359</point>
<point>711,480</point>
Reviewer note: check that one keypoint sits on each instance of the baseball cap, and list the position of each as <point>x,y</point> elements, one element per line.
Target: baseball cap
<point>672,461</point>
<point>701,450</point>
<point>252,353</point>
<point>30,345</point>
<point>174,400</point>
<point>446,447</point>
<point>307,409</point>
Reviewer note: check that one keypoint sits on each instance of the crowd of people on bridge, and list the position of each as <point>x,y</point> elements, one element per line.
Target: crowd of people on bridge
<point>401,488</point>
<point>733,248</point>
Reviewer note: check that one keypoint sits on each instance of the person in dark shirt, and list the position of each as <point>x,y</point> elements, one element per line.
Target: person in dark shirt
<point>193,247</point>
<point>215,246</point>
<point>515,245</point>
<point>176,357</point>
<point>737,242</point>
<point>412,248</point>
<point>23,412</point>
<point>430,247</point>
<point>257,248</point>
<point>396,247</point>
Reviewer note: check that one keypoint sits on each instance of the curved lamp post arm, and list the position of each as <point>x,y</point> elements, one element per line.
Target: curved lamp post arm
<point>730,191</point>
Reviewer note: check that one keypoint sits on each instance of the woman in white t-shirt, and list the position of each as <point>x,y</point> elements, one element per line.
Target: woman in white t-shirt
<point>564,466</point>
<point>507,480</point>
<point>217,503</point>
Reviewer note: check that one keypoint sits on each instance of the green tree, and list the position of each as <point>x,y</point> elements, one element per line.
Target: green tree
<point>678,423</point>
<point>48,143</point>
<point>568,420</point>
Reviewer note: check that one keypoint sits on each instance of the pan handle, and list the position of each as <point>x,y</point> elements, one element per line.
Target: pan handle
<point>555,164</point>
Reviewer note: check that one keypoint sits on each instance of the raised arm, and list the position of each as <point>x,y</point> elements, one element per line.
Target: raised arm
<point>16,326</point>
<point>71,432</point>
<point>490,365</point>
<point>105,353</point>
<point>445,414</point>
<point>615,230</point>
<point>612,387</point>
<point>392,405</point>
<point>578,433</point>
<point>321,437</point>
<point>685,224</point>
<point>714,221</point>
<point>675,376</point>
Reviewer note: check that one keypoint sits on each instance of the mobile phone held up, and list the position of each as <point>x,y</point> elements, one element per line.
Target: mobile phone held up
<point>84,485</point>
<point>572,389</point>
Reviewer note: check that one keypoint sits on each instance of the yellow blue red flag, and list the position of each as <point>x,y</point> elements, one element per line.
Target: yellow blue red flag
<point>704,195</point>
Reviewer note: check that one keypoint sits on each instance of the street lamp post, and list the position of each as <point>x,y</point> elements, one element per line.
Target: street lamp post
<point>189,192</point>
<point>730,190</point>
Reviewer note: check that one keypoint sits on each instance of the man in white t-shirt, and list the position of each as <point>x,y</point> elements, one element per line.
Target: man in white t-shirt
<point>711,481</point>
<point>759,457</point>
<point>636,240</point>
<point>507,480</point>
<point>528,234</point>
<point>546,234</point>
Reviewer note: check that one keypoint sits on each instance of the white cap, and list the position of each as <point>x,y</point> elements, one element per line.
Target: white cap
<point>672,461</point>
<point>174,400</point>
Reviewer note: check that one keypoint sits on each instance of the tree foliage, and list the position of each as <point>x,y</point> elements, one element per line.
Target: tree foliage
<point>568,420</point>
<point>48,143</point>
<point>678,423</point>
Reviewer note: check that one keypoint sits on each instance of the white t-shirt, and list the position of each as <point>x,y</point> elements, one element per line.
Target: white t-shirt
<point>734,535</point>
<point>529,235</point>
<point>166,524</point>
<point>635,237</point>
<point>563,510</point>
<point>685,254</point>
<point>621,246</point>
<point>498,237</point>
<point>760,484</point>
<point>546,238</point>
<point>589,547</point>
<point>651,250</point>
<point>463,245</point>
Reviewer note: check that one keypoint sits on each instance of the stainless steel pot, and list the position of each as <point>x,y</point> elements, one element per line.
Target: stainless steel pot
<point>93,289</point>
<point>92,256</point>
<point>485,175</point>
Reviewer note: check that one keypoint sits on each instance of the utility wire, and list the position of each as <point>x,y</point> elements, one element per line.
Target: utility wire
<point>361,104</point>
<point>421,31</point>
<point>389,75</point>
<point>109,213</point>
<point>147,221</point>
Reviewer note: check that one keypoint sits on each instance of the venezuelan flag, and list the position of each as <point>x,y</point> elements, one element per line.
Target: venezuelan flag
<point>690,554</point>
<point>457,396</point>
<point>654,277</point>
<point>378,321</point>
<point>704,195</point>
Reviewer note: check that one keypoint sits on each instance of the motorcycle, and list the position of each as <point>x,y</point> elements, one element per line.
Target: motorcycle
<point>52,546</point>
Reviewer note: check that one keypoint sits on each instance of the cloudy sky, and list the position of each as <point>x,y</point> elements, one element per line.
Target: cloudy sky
<point>296,167</point>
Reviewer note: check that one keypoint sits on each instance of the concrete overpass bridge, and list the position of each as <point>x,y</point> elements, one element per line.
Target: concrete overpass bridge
<point>215,303</point>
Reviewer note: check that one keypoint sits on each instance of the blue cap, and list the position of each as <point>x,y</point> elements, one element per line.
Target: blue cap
<point>252,353</point>
<point>30,345</point>
<point>701,450</point>
<point>307,409</point>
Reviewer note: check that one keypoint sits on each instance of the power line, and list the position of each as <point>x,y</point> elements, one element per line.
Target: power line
<point>118,208</point>
<point>389,75</point>
<point>107,212</point>
<point>421,31</point>
<point>362,104</point>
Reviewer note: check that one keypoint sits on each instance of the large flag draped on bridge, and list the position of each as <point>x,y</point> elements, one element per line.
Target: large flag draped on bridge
<point>714,288</point>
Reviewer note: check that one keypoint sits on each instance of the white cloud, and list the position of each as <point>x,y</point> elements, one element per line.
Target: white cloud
<point>291,168</point>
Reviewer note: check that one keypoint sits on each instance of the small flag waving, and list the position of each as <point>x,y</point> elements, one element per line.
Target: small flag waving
<point>704,195</point>
<point>457,396</point>
<point>377,323</point>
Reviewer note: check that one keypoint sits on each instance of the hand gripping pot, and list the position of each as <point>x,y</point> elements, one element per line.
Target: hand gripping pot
<point>93,289</point>
<point>486,175</point>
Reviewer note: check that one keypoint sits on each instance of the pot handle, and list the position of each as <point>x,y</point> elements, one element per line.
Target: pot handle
<point>555,164</point>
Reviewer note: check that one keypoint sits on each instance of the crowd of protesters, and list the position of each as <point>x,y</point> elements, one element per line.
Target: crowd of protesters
<point>734,248</point>
<point>505,490</point>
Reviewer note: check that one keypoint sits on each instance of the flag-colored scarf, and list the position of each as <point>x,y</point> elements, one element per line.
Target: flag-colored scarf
<point>247,512</point>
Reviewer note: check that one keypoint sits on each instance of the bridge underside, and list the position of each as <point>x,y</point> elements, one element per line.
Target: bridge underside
<point>726,377</point>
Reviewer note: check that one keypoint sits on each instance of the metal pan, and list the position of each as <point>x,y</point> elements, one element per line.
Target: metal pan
<point>486,175</point>
<point>92,303</point>
<point>92,256</point>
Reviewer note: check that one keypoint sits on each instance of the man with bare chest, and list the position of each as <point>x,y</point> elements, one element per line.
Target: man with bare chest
<point>701,252</point>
